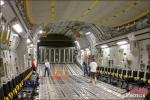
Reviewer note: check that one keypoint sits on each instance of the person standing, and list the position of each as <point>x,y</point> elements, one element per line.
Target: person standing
<point>85,70</point>
<point>47,67</point>
<point>33,65</point>
<point>93,66</point>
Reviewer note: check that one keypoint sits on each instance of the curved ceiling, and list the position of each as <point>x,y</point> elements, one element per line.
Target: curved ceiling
<point>105,12</point>
<point>73,18</point>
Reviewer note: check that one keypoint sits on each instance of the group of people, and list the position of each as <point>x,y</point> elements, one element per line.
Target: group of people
<point>89,69</point>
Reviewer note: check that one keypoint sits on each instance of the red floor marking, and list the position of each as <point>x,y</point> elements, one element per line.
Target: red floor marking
<point>139,91</point>
<point>55,76</point>
<point>64,76</point>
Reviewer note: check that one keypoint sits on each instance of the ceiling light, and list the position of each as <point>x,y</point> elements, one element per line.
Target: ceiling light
<point>2,2</point>
<point>28,41</point>
<point>104,46</point>
<point>38,40</point>
<point>17,28</point>
<point>31,45</point>
<point>122,42</point>
<point>15,35</point>
<point>75,41</point>
<point>123,47</point>
<point>88,33</point>
<point>82,50</point>
<point>34,49</point>
<point>87,49</point>
<point>40,31</point>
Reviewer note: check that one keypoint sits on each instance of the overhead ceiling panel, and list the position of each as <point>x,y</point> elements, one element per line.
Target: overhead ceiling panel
<point>7,12</point>
<point>70,10</point>
<point>99,12</point>
<point>41,11</point>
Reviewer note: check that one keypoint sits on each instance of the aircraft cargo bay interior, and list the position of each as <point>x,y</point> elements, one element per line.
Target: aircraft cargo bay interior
<point>74,50</point>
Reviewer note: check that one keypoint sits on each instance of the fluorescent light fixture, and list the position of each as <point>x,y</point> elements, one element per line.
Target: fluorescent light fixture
<point>31,45</point>
<point>34,49</point>
<point>38,40</point>
<point>104,46</point>
<point>88,33</point>
<point>122,42</point>
<point>82,50</point>
<point>15,35</point>
<point>87,49</point>
<point>123,47</point>
<point>17,28</point>
<point>28,41</point>
<point>75,41</point>
<point>40,31</point>
<point>2,2</point>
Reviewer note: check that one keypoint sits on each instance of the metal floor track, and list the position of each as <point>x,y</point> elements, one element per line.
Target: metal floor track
<point>75,87</point>
<point>72,88</point>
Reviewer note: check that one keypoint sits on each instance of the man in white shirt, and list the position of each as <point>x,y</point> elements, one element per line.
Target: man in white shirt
<point>93,66</point>
<point>47,67</point>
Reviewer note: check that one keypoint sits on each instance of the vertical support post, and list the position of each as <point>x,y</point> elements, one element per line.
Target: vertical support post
<point>54,55</point>
<point>72,55</point>
<point>49,55</point>
<point>64,56</point>
<point>40,50</point>
<point>44,54</point>
<point>69,55</point>
<point>40,54</point>
<point>59,55</point>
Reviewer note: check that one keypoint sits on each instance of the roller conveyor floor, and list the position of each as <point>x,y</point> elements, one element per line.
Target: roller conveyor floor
<point>75,87</point>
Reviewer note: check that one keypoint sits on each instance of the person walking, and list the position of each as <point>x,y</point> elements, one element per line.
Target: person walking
<point>47,67</point>
<point>93,66</point>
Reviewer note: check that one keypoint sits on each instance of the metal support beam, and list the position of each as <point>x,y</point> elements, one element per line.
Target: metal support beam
<point>54,55</point>
<point>49,55</point>
<point>64,57</point>
<point>72,55</point>
<point>44,54</point>
<point>59,55</point>
<point>69,55</point>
